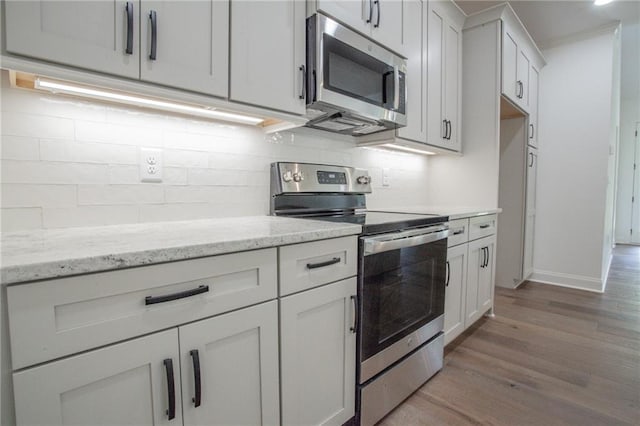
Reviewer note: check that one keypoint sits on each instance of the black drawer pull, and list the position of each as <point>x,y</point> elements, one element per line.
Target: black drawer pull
<point>154,34</point>
<point>129,9</point>
<point>195,356</point>
<point>322,264</point>
<point>171,388</point>
<point>485,226</point>
<point>152,300</point>
<point>461,231</point>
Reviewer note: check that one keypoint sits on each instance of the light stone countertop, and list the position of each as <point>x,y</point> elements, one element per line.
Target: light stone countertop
<point>457,212</point>
<point>43,254</point>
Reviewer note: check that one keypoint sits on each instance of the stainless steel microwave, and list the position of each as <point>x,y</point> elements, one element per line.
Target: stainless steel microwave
<point>354,86</point>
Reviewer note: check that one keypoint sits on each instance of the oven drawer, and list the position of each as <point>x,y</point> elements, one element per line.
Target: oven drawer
<point>482,226</point>
<point>54,318</point>
<point>308,265</point>
<point>458,232</point>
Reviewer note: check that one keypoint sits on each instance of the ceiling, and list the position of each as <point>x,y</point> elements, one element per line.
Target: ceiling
<point>548,21</point>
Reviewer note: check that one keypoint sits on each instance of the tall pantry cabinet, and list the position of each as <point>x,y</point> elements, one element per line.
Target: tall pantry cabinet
<point>513,124</point>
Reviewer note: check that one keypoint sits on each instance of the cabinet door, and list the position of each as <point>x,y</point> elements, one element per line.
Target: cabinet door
<point>480,274</point>
<point>123,384</point>
<point>453,82</point>
<point>318,350</point>
<point>237,355</point>
<point>509,64</point>
<point>456,286</point>
<point>387,25</point>
<point>192,49</point>
<point>435,76</point>
<point>530,217</point>
<point>267,54</point>
<point>522,74</point>
<point>529,229</point>
<point>85,34</point>
<point>355,13</point>
<point>533,107</point>
<point>414,38</point>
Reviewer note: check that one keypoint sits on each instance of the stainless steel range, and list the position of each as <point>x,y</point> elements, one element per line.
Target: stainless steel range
<point>401,279</point>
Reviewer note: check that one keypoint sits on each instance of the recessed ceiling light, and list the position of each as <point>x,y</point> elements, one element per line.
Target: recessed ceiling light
<point>602,2</point>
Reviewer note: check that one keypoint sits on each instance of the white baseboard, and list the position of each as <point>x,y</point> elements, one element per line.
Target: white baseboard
<point>568,280</point>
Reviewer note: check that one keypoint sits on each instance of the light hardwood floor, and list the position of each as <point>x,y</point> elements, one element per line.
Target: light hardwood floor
<point>551,356</point>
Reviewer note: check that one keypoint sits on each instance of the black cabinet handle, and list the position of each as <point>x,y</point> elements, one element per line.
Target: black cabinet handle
<point>450,130</point>
<point>377,2</point>
<point>531,158</point>
<point>458,232</point>
<point>444,129</point>
<point>152,300</point>
<point>532,131</point>
<point>154,34</point>
<point>486,263</point>
<point>485,226</point>
<point>195,358</point>
<point>446,284</point>
<point>171,388</point>
<point>370,11</point>
<point>484,257</point>
<point>322,264</point>
<point>356,314</point>
<point>129,9</point>
<point>303,91</point>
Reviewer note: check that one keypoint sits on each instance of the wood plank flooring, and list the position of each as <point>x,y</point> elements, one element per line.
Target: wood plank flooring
<point>551,356</point>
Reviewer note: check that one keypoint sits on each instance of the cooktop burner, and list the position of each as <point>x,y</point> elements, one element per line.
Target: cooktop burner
<point>374,222</point>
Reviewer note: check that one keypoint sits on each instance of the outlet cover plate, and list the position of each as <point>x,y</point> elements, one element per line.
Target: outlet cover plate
<point>150,165</point>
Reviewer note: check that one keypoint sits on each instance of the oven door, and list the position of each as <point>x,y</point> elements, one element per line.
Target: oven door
<point>354,74</point>
<point>402,287</point>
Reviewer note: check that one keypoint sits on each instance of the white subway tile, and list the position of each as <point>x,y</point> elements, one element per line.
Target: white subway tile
<point>120,194</point>
<point>88,216</point>
<point>174,176</point>
<point>225,161</point>
<point>124,174</point>
<point>20,219</point>
<point>161,212</point>
<point>95,131</point>
<point>26,195</point>
<point>53,173</point>
<point>186,158</point>
<point>191,194</point>
<point>19,148</point>
<point>33,125</point>
<point>227,177</point>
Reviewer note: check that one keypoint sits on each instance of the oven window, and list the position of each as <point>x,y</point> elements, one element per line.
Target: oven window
<point>354,73</point>
<point>402,290</point>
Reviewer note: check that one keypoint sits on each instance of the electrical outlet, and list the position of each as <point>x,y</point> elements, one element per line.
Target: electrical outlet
<point>150,165</point>
<point>386,179</point>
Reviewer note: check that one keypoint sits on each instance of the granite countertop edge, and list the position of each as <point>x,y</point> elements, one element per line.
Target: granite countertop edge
<point>17,270</point>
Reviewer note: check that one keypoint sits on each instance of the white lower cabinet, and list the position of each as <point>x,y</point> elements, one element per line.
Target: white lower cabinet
<point>317,349</point>
<point>456,286</point>
<point>480,278</point>
<point>123,384</point>
<point>140,382</point>
<point>237,358</point>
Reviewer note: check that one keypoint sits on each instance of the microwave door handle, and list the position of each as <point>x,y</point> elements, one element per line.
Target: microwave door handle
<point>396,88</point>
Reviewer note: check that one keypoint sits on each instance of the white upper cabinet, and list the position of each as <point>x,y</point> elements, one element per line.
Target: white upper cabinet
<point>415,39</point>
<point>522,73</point>
<point>185,44</point>
<point>444,75</point>
<point>95,35</point>
<point>268,54</point>
<point>382,20</point>
<point>509,65</point>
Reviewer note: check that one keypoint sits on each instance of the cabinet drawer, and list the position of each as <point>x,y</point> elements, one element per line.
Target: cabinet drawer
<point>458,232</point>
<point>308,265</point>
<point>53,318</point>
<point>482,226</point>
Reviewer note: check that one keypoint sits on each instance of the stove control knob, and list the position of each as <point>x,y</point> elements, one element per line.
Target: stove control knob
<point>363,180</point>
<point>287,176</point>
<point>297,177</point>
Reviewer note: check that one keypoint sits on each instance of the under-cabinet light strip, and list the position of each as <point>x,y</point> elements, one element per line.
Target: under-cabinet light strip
<point>408,149</point>
<point>106,95</point>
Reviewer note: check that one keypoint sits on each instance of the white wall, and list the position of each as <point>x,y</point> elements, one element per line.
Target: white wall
<point>575,127</point>
<point>629,116</point>
<point>68,163</point>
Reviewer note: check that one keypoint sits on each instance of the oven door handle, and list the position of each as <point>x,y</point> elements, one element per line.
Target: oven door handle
<point>381,244</point>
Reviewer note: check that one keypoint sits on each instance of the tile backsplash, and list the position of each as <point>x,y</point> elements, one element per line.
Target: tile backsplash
<point>68,162</point>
